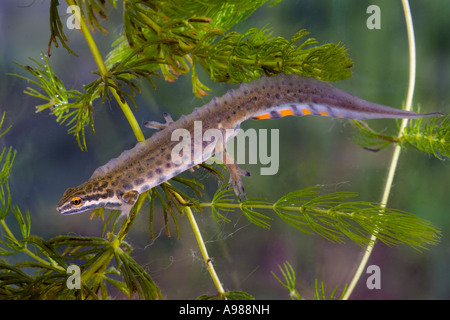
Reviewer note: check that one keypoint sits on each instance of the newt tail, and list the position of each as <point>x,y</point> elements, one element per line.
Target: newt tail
<point>117,184</point>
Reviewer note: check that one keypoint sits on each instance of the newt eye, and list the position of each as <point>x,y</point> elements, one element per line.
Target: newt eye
<point>76,201</point>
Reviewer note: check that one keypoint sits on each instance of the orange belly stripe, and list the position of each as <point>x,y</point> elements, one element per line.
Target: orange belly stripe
<point>262,116</point>
<point>287,112</point>
<point>306,111</point>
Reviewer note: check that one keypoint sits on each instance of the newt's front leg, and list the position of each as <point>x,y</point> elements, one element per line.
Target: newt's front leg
<point>159,125</point>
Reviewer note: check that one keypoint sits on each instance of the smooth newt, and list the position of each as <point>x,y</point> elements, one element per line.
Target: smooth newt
<point>117,184</point>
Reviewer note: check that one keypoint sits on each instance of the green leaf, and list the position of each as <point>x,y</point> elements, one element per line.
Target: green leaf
<point>70,107</point>
<point>7,164</point>
<point>222,196</point>
<point>5,196</point>
<point>136,278</point>
<point>328,216</point>
<point>57,28</point>
<point>171,37</point>
<point>253,216</point>
<point>90,9</point>
<point>370,139</point>
<point>47,249</point>
<point>289,283</point>
<point>432,138</point>
<point>320,293</point>
<point>288,274</point>
<point>1,124</point>
<point>333,220</point>
<point>229,295</point>
<point>23,222</point>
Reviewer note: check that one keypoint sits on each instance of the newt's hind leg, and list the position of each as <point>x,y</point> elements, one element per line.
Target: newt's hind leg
<point>235,179</point>
<point>235,172</point>
<point>159,125</point>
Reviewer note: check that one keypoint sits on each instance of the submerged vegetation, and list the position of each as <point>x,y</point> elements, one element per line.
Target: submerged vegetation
<point>170,38</point>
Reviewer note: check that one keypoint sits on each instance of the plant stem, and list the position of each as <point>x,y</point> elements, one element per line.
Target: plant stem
<point>100,265</point>
<point>397,148</point>
<point>103,72</point>
<point>129,115</point>
<point>140,137</point>
<point>202,247</point>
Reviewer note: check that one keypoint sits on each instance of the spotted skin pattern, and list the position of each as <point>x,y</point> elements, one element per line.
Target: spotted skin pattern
<point>117,184</point>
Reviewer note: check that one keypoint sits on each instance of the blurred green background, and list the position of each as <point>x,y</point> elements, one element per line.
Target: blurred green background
<point>313,150</point>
